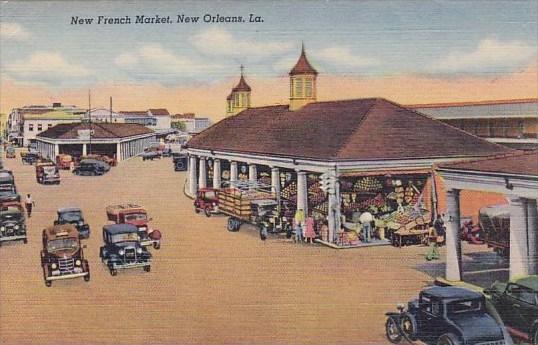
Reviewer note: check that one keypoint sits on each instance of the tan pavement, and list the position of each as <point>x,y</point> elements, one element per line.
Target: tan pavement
<point>206,286</point>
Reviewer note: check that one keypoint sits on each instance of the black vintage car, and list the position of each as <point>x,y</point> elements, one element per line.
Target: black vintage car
<point>91,167</point>
<point>73,215</point>
<point>517,304</point>
<point>123,249</point>
<point>12,223</point>
<point>445,316</point>
<point>30,158</point>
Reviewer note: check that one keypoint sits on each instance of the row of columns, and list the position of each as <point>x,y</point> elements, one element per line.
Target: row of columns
<point>198,178</point>
<point>523,237</point>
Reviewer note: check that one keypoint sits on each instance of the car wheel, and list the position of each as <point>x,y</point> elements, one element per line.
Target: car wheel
<point>147,268</point>
<point>25,241</point>
<point>113,272</point>
<point>48,283</point>
<point>230,224</point>
<point>207,211</point>
<point>87,277</point>
<point>448,339</point>
<point>408,325</point>
<point>196,210</point>
<point>392,331</point>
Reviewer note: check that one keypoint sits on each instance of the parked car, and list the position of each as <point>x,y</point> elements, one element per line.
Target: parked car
<point>207,201</point>
<point>103,158</point>
<point>30,157</point>
<point>64,161</point>
<point>150,155</point>
<point>47,172</point>
<point>91,167</point>
<point>12,223</point>
<point>180,162</point>
<point>517,304</point>
<point>73,215</point>
<point>122,248</point>
<point>135,215</point>
<point>10,152</point>
<point>8,190</point>
<point>445,316</point>
<point>62,256</point>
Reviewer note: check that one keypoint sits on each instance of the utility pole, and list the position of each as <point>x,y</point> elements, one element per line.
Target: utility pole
<point>110,109</point>
<point>90,117</point>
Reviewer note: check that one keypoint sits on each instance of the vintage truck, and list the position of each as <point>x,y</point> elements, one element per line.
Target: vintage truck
<point>136,215</point>
<point>62,256</point>
<point>245,202</point>
<point>12,223</point>
<point>47,173</point>
<point>64,161</point>
<point>495,223</point>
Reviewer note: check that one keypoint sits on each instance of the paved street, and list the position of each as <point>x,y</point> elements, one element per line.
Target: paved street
<point>207,286</point>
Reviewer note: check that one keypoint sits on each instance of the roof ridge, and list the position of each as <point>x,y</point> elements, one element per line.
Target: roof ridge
<point>108,130</point>
<point>357,127</point>
<point>492,157</point>
<point>464,103</point>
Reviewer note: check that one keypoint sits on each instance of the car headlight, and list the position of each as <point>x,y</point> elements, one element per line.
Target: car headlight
<point>121,252</point>
<point>80,223</point>
<point>139,250</point>
<point>78,262</point>
<point>3,228</point>
<point>54,266</point>
<point>16,227</point>
<point>143,228</point>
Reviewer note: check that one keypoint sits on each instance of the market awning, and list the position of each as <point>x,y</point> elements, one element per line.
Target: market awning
<point>386,172</point>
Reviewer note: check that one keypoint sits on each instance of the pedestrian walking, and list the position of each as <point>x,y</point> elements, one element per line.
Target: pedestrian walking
<point>310,234</point>
<point>29,203</point>
<point>366,220</point>
<point>299,223</point>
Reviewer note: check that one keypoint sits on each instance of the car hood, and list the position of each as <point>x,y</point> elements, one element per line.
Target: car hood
<point>138,223</point>
<point>478,327</point>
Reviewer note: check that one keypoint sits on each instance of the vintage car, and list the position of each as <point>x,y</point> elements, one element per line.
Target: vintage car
<point>123,249</point>
<point>103,158</point>
<point>517,304</point>
<point>495,223</point>
<point>31,157</point>
<point>180,162</point>
<point>62,256</point>
<point>135,215</point>
<point>91,167</point>
<point>8,190</point>
<point>12,223</point>
<point>150,155</point>
<point>10,152</point>
<point>445,316</point>
<point>47,173</point>
<point>207,201</point>
<point>73,215</point>
<point>64,161</point>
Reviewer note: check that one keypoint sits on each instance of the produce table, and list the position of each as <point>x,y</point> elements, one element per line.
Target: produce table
<point>398,236</point>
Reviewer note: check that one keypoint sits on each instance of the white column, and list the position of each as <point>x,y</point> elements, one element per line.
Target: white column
<point>302,193</point>
<point>532,214</point>
<point>453,245</point>
<point>56,151</point>
<point>84,150</point>
<point>275,180</point>
<point>519,250</point>
<point>216,173</point>
<point>252,173</point>
<point>233,171</point>
<point>118,152</point>
<point>202,177</point>
<point>193,183</point>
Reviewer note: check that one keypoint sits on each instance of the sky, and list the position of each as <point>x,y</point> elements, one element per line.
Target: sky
<point>406,51</point>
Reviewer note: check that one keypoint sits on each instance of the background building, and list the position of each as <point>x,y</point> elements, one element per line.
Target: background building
<point>189,123</point>
<point>513,123</point>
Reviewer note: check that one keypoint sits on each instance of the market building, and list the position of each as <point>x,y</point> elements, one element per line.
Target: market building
<point>119,140</point>
<point>380,153</point>
<point>516,177</point>
<point>513,123</point>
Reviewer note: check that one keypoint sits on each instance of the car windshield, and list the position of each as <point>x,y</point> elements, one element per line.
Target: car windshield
<point>71,216</point>
<point>133,217</point>
<point>125,237</point>
<point>11,213</point>
<point>467,306</point>
<point>210,194</point>
<point>7,192</point>
<point>49,170</point>
<point>62,244</point>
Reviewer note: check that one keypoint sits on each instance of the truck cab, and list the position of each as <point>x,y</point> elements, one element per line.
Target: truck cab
<point>62,256</point>
<point>135,215</point>
<point>63,161</point>
<point>47,173</point>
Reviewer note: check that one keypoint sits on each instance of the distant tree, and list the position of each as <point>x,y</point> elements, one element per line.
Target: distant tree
<point>179,125</point>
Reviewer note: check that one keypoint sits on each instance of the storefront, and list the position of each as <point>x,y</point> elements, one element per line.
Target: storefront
<point>385,172</point>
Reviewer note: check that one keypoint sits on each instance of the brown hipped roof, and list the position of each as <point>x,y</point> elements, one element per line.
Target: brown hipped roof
<point>520,163</point>
<point>361,129</point>
<point>241,86</point>
<point>159,112</point>
<point>101,130</point>
<point>303,66</point>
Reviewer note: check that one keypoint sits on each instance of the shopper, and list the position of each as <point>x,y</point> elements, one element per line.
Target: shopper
<point>324,231</point>
<point>366,220</point>
<point>29,204</point>
<point>439,226</point>
<point>310,234</point>
<point>299,223</point>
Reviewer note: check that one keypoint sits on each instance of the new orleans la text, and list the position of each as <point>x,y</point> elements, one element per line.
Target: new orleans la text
<point>157,19</point>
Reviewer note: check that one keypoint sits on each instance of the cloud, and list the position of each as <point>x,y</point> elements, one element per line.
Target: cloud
<point>343,56</point>
<point>46,67</point>
<point>126,60</point>
<point>490,54</point>
<point>217,41</point>
<point>13,32</point>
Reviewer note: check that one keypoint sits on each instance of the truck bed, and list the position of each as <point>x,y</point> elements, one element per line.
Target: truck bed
<point>112,211</point>
<point>237,203</point>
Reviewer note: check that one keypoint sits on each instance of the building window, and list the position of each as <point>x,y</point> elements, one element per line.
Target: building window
<point>39,127</point>
<point>308,87</point>
<point>236,100</point>
<point>31,127</point>
<point>298,87</point>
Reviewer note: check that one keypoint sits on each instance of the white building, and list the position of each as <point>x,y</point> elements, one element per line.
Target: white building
<point>162,116</point>
<point>105,115</point>
<point>34,124</point>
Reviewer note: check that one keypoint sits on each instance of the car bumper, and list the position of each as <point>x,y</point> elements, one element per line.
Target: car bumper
<point>84,233</point>
<point>13,238</point>
<point>67,276</point>
<point>149,242</point>
<point>131,265</point>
